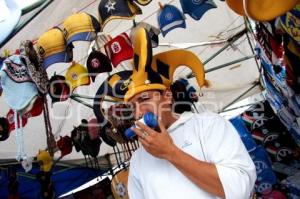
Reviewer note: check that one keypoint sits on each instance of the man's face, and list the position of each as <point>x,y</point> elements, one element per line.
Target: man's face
<point>151,101</point>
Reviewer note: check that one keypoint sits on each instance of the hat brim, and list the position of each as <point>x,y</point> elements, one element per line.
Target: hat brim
<point>146,87</point>
<point>237,6</point>
<point>173,25</point>
<point>83,36</point>
<point>143,2</point>
<point>56,58</point>
<point>266,10</point>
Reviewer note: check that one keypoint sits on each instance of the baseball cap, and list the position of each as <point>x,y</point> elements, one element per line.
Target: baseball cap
<point>77,75</point>
<point>51,47</point>
<point>197,8</point>
<point>59,89</point>
<point>64,144</point>
<point>94,128</point>
<point>97,63</point>
<point>266,10</point>
<point>80,27</point>
<point>4,131</point>
<point>169,18</point>
<point>45,160</point>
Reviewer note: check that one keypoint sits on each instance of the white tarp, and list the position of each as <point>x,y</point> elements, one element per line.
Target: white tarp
<point>217,24</point>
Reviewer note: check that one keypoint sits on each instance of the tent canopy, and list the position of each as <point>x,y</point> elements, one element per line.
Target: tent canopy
<point>216,26</point>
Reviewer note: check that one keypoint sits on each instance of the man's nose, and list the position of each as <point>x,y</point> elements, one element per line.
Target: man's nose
<point>139,112</point>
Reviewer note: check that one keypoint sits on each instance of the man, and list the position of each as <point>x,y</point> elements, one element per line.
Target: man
<point>193,156</point>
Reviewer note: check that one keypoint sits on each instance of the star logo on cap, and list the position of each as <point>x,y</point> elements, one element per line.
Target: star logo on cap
<point>110,5</point>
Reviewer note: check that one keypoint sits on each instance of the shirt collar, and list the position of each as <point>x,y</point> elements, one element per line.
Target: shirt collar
<point>185,116</point>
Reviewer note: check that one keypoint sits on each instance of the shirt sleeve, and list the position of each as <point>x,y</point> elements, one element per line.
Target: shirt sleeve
<point>135,190</point>
<point>225,149</point>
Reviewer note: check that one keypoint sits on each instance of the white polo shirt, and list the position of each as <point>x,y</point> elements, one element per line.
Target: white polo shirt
<point>207,137</point>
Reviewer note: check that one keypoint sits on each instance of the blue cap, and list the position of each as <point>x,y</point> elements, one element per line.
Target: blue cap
<point>169,18</point>
<point>197,8</point>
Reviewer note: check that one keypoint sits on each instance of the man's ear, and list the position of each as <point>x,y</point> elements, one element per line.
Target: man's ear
<point>168,95</point>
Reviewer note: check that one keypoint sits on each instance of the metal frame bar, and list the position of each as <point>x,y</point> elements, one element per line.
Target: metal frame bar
<point>230,42</point>
<point>229,63</point>
<point>18,28</point>
<point>240,96</point>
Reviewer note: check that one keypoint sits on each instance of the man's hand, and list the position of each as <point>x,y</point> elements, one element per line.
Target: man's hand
<point>158,144</point>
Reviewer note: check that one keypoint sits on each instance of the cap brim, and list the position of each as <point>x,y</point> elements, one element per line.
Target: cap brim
<point>143,2</point>
<point>173,25</point>
<point>83,36</point>
<point>56,58</point>
<point>136,90</point>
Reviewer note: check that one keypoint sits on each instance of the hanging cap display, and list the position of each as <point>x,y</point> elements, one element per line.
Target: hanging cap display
<point>169,18</point>
<point>45,160</point>
<point>115,86</point>
<point>80,27</point>
<point>97,63</point>
<point>4,128</point>
<point>143,2</point>
<point>290,23</point>
<point>156,73</point>
<point>51,47</point>
<point>266,10</point>
<point>59,89</point>
<point>152,31</point>
<point>237,6</point>
<point>196,9</point>
<point>77,75</point>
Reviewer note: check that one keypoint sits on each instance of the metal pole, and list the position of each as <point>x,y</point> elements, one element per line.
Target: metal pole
<point>231,109</point>
<point>229,63</point>
<point>90,97</point>
<point>81,102</point>
<point>239,97</point>
<point>230,42</point>
<point>22,25</point>
<point>247,24</point>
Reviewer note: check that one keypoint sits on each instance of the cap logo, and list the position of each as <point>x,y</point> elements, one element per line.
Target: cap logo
<point>125,84</point>
<point>197,2</point>
<point>95,63</point>
<point>74,76</point>
<point>169,16</point>
<point>116,47</point>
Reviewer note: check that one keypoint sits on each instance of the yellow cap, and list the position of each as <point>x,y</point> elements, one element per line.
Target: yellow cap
<point>52,47</point>
<point>266,10</point>
<point>45,160</point>
<point>80,27</point>
<point>77,75</point>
